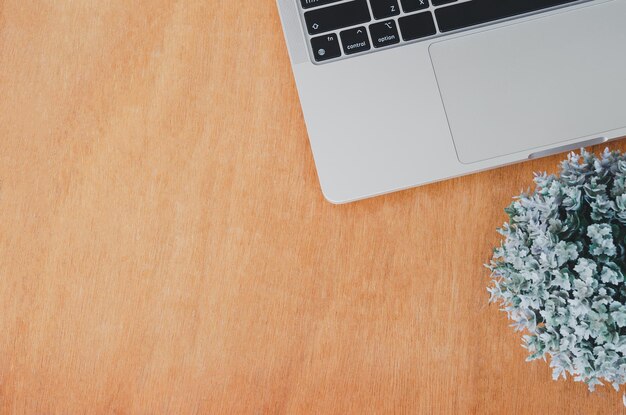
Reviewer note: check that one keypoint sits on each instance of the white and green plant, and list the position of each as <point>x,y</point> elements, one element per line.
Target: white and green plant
<point>559,272</point>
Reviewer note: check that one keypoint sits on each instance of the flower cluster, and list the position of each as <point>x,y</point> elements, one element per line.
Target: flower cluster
<point>559,272</point>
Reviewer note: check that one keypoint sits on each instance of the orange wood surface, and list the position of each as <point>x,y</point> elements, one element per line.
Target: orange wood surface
<point>165,247</point>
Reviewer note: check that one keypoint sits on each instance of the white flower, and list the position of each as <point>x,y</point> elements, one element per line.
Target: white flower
<point>601,239</point>
<point>558,273</point>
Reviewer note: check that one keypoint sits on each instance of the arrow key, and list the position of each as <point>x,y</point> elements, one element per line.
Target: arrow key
<point>355,40</point>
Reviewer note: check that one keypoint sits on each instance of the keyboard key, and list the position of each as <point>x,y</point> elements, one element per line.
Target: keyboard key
<point>440,2</point>
<point>384,8</point>
<point>384,33</point>
<point>476,12</point>
<point>417,26</point>
<point>337,17</point>
<point>325,47</point>
<point>355,40</point>
<point>413,5</point>
<point>314,3</point>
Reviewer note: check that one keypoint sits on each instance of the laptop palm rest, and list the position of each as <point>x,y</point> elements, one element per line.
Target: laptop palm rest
<point>527,85</point>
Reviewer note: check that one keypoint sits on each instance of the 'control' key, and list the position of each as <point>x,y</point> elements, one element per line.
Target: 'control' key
<point>355,40</point>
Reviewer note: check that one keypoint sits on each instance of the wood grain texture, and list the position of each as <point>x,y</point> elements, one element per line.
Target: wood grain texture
<point>165,247</point>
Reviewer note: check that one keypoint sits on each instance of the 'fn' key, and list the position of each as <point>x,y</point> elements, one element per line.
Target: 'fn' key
<point>325,47</point>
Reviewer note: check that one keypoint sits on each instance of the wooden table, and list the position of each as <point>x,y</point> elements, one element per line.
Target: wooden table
<point>165,248</point>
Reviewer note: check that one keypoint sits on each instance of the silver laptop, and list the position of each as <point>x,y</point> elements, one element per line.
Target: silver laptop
<point>399,93</point>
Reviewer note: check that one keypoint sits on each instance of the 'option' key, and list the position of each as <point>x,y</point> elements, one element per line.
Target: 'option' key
<point>384,33</point>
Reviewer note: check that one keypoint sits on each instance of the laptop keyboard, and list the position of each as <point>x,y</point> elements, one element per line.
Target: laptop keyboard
<point>339,28</point>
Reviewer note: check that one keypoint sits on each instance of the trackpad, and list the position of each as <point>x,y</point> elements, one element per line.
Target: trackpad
<point>527,85</point>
